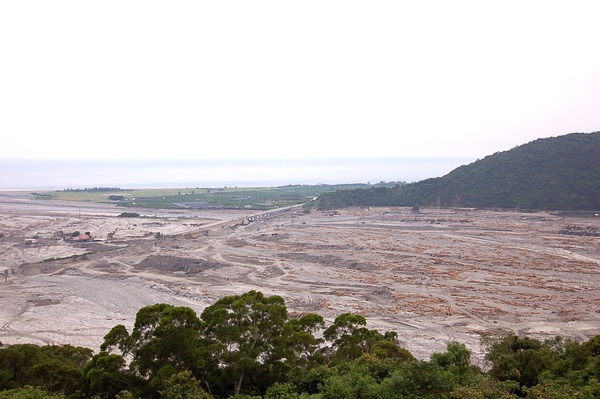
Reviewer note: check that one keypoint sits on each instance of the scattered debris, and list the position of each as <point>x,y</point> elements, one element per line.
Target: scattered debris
<point>574,230</point>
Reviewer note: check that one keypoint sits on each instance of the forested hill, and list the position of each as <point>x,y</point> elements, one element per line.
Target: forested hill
<point>558,173</point>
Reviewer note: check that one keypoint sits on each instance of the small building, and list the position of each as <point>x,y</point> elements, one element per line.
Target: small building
<point>83,238</point>
<point>80,237</point>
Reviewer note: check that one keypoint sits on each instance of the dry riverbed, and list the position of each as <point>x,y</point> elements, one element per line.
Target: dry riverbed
<point>434,277</point>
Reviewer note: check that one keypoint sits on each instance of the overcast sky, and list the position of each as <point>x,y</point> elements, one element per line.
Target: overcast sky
<point>293,79</point>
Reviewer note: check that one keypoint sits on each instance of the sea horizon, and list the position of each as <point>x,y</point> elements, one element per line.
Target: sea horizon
<point>24,175</point>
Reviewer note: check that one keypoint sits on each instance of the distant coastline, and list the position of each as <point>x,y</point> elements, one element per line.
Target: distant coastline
<point>21,175</point>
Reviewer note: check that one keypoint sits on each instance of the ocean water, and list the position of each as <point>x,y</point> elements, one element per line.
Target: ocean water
<point>62,174</point>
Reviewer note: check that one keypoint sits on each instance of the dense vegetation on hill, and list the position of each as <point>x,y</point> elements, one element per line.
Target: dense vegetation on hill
<point>558,173</point>
<point>248,347</point>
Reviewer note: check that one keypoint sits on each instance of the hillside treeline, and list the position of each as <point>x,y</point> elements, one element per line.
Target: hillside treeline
<point>248,347</point>
<point>558,173</point>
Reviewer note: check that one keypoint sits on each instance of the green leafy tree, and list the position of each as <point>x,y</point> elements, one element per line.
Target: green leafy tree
<point>28,392</point>
<point>299,349</point>
<point>57,376</point>
<point>351,380</point>
<point>243,331</point>
<point>314,378</point>
<point>105,376</point>
<point>457,361</point>
<point>124,395</point>
<point>165,334</point>
<point>592,346</point>
<point>165,340</point>
<point>78,355</point>
<point>15,363</point>
<point>349,339</point>
<point>418,379</point>
<point>183,385</point>
<point>282,391</point>
<point>486,387</point>
<point>118,338</point>
<point>348,336</point>
<point>520,359</point>
<point>55,369</point>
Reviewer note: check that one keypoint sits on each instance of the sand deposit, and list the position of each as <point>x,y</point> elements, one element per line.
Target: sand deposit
<point>434,277</point>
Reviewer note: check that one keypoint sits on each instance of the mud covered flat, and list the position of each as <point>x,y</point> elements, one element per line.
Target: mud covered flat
<point>433,277</point>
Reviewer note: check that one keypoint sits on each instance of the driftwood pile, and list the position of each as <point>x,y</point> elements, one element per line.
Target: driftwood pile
<point>574,230</point>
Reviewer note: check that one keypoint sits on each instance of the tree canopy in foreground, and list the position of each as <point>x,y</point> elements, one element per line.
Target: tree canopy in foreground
<point>248,347</point>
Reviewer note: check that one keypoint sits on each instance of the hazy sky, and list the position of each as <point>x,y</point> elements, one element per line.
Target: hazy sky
<point>292,79</point>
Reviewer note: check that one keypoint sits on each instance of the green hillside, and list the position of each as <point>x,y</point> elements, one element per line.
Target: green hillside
<point>558,173</point>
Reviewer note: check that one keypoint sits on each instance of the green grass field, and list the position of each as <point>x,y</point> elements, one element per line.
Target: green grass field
<point>227,198</point>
